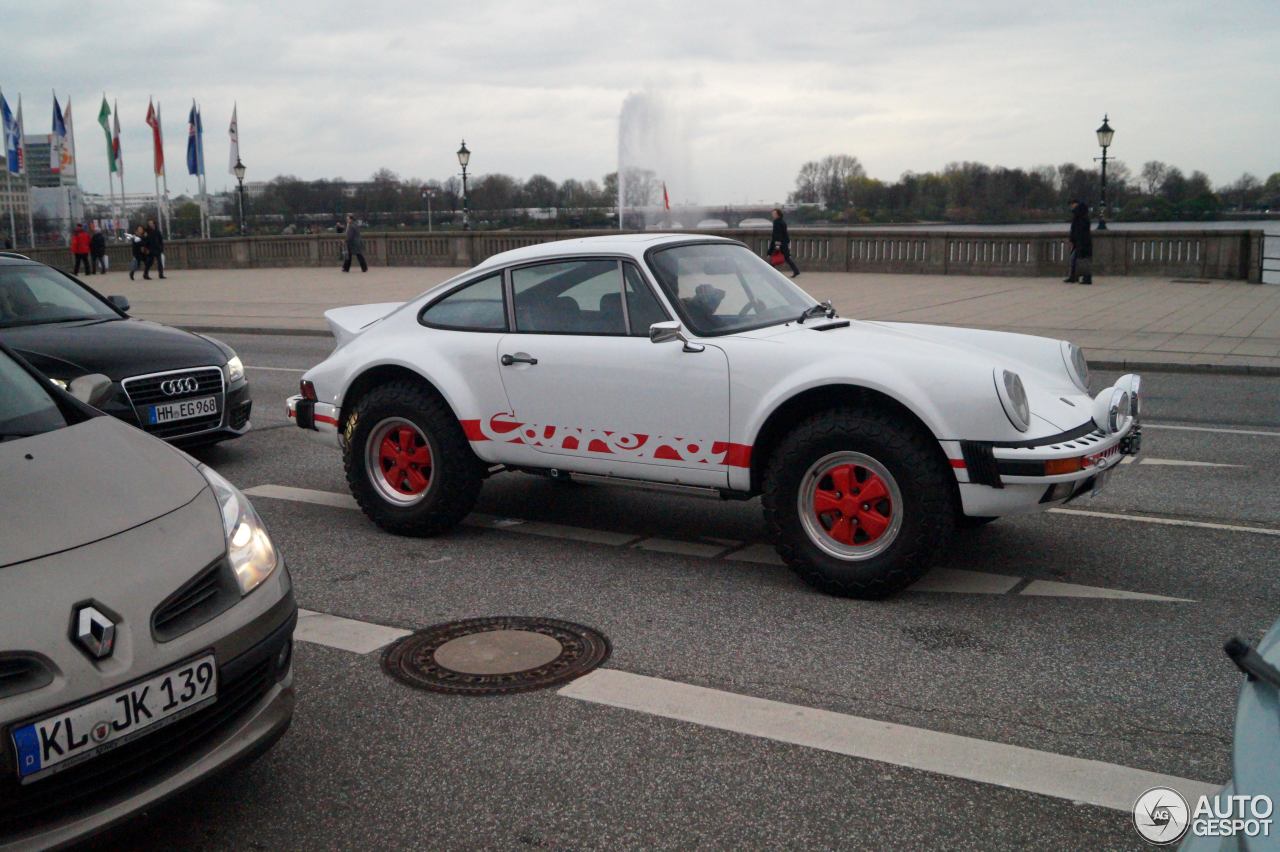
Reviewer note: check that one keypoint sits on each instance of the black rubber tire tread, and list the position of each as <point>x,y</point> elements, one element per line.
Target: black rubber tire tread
<point>928,492</point>
<point>455,483</point>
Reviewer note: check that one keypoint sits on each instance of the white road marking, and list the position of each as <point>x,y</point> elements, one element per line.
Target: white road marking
<point>303,495</point>
<point>965,582</point>
<point>1173,522</point>
<point>948,580</point>
<point>1209,429</point>
<point>1182,462</point>
<point>274,369</point>
<point>680,548</point>
<point>1052,588</point>
<point>345,634</point>
<point>1015,767</point>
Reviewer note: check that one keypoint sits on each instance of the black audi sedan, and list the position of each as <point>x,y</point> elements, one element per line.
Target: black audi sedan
<point>183,387</point>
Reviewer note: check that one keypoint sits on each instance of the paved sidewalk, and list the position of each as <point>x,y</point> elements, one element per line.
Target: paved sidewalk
<point>1147,323</point>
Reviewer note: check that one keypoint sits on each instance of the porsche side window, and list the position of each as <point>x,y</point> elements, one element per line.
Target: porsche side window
<point>643,308</point>
<point>574,297</point>
<point>476,307</point>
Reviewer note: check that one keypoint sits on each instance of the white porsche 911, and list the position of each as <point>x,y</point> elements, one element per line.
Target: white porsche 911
<point>692,364</point>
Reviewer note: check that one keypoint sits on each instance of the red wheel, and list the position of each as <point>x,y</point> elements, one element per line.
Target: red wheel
<point>850,505</point>
<point>399,461</point>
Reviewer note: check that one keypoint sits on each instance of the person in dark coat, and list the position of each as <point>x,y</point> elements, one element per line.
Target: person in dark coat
<point>355,246</point>
<point>98,249</point>
<point>1081,245</point>
<point>138,243</point>
<point>80,248</point>
<point>155,249</point>
<point>781,240</point>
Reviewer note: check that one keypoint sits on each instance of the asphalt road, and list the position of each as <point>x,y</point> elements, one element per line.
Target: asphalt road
<point>1126,681</point>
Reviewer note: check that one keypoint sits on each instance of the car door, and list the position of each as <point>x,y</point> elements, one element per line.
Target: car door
<point>590,391</point>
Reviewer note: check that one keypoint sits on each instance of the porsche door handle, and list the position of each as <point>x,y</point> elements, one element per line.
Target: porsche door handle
<point>508,360</point>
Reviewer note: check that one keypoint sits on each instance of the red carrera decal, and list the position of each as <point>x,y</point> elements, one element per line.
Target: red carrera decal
<point>958,463</point>
<point>501,427</point>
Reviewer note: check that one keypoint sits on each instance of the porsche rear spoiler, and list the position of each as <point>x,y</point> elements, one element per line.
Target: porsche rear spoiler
<point>347,323</point>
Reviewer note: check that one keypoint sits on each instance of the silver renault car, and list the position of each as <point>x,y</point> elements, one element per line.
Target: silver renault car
<point>146,617</point>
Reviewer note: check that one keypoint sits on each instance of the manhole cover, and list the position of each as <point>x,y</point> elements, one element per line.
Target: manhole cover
<point>490,656</point>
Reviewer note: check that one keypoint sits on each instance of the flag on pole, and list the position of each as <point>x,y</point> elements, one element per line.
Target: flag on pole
<point>153,119</point>
<point>57,138</point>
<point>193,141</point>
<point>22,141</point>
<point>68,144</point>
<point>12,139</point>
<point>234,132</point>
<point>104,119</point>
<point>115,146</point>
<point>666,201</point>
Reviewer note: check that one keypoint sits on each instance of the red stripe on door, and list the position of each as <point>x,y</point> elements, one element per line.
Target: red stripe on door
<point>735,455</point>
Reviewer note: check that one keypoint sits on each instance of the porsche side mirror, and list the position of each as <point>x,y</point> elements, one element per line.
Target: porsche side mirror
<point>93,389</point>
<point>121,303</point>
<point>664,332</point>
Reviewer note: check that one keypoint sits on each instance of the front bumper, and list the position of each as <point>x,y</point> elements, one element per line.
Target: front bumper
<point>319,419</point>
<point>254,708</point>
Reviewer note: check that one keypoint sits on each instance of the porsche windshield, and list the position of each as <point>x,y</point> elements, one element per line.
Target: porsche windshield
<point>33,295</point>
<point>720,288</point>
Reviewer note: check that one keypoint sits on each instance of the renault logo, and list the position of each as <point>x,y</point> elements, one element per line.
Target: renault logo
<point>95,632</point>
<point>173,387</point>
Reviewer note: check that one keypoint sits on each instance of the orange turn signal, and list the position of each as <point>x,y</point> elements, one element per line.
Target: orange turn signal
<point>1055,467</point>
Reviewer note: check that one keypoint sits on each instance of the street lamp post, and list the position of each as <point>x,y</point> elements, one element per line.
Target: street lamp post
<point>1105,133</point>
<point>239,170</point>
<point>464,157</point>
<point>427,193</point>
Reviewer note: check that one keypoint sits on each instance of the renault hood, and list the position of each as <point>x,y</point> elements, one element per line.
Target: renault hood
<point>86,482</point>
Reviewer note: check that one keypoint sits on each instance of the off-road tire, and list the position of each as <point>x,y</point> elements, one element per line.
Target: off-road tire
<point>456,474</point>
<point>928,497</point>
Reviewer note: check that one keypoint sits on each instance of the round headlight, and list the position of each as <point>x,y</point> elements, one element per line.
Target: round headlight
<point>1077,365</point>
<point>1013,398</point>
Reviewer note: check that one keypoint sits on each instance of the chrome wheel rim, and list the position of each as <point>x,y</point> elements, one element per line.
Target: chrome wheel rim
<point>850,506</point>
<point>399,461</point>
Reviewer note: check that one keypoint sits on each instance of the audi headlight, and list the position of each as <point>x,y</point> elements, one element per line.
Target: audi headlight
<point>249,549</point>
<point>1077,365</point>
<point>235,369</point>
<point>1013,396</point>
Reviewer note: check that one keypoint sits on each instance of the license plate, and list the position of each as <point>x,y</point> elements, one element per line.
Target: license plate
<point>183,410</point>
<point>64,739</point>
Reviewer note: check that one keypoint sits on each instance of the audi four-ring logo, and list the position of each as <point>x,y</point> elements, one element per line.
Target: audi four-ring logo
<point>173,387</point>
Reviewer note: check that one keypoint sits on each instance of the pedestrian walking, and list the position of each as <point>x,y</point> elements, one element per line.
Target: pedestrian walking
<point>155,249</point>
<point>780,241</point>
<point>355,246</point>
<point>138,244</point>
<point>98,249</point>
<point>80,248</point>
<point>1081,245</point>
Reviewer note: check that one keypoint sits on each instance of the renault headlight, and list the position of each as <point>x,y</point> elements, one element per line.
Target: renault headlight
<point>1077,365</point>
<point>249,549</point>
<point>235,369</point>
<point>1013,396</point>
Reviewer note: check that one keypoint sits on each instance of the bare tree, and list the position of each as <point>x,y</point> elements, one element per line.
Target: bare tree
<point>1154,173</point>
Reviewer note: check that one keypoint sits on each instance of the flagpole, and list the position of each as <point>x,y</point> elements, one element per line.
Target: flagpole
<point>8,183</point>
<point>164,175</point>
<point>119,157</point>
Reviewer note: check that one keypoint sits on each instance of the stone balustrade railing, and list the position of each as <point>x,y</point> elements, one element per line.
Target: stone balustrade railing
<point>1234,254</point>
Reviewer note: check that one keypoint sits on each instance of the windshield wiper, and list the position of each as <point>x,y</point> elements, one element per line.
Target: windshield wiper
<point>1251,662</point>
<point>21,323</point>
<point>818,310</point>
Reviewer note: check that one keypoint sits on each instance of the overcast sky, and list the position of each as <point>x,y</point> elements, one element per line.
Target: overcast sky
<point>752,89</point>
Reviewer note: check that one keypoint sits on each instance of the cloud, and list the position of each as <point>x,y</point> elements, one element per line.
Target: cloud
<point>329,88</point>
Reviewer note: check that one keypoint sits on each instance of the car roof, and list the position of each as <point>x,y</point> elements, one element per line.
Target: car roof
<point>634,245</point>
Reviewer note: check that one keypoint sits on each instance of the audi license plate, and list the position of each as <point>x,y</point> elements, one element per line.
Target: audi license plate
<point>184,410</point>
<point>64,739</point>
